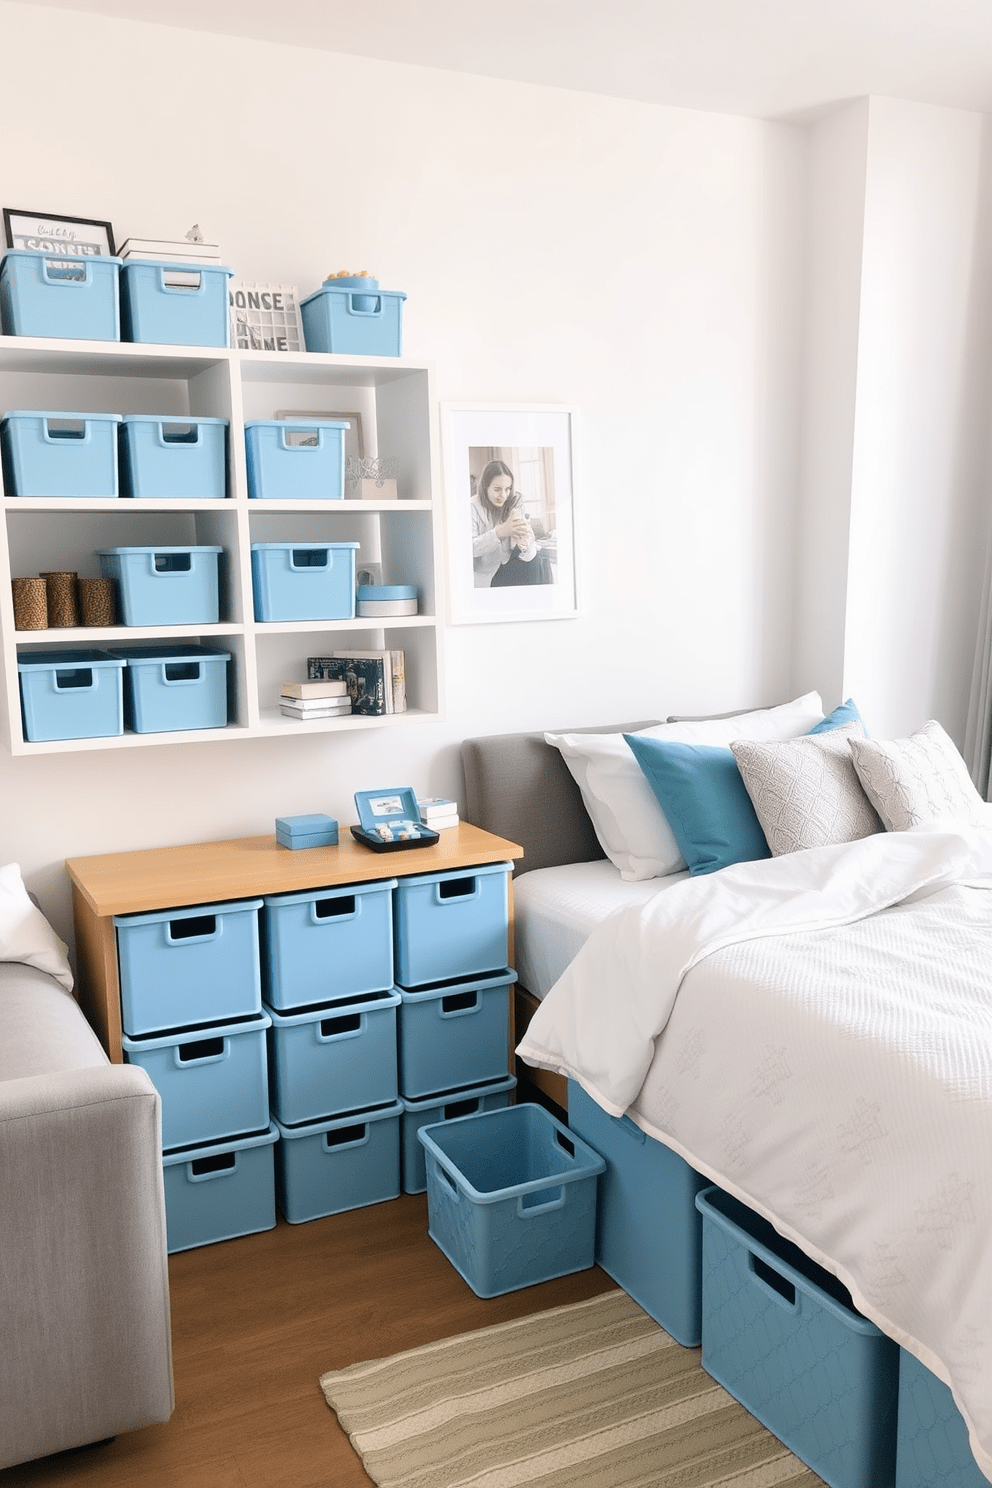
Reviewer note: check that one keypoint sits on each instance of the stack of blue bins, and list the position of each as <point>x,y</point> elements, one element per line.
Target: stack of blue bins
<point>191,1010</point>
<point>332,1004</point>
<point>452,946</point>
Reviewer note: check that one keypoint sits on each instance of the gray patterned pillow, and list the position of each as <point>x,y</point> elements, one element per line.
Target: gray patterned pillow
<point>805,791</point>
<point>919,779</point>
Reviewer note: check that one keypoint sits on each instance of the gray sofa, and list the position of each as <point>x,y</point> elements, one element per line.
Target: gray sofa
<point>84,1293</point>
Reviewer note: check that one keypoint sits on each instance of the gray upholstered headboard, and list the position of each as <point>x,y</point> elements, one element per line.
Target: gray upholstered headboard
<point>519,787</point>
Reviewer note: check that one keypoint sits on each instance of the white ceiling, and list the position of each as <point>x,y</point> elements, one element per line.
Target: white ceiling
<point>765,58</point>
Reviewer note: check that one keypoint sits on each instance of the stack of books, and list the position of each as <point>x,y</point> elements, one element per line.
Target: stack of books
<point>169,250</point>
<point>314,699</point>
<point>375,680</point>
<point>438,813</point>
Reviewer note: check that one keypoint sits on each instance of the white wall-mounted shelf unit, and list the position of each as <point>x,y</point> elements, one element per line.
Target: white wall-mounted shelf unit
<point>394,399</point>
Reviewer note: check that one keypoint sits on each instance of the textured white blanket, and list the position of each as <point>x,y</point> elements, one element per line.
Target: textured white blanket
<point>814,1032</point>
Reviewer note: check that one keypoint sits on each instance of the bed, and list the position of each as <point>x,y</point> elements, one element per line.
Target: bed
<point>811,1031</point>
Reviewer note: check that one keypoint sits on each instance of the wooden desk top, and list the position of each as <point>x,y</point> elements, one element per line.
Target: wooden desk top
<point>246,867</point>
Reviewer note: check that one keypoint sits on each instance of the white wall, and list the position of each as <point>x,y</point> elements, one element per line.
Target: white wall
<point>641,263</point>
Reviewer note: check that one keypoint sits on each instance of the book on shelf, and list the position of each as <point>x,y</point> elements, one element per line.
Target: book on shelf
<point>170,250</point>
<point>383,673</point>
<point>438,823</point>
<point>438,812</point>
<point>328,708</point>
<point>336,688</point>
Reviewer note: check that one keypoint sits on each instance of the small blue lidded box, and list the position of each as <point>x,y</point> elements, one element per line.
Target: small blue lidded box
<point>314,830</point>
<point>390,820</point>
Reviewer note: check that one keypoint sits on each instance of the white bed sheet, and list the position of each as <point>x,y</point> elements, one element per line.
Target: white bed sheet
<point>555,910</point>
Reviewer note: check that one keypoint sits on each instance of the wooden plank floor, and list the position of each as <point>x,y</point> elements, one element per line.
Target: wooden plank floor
<point>257,1320</point>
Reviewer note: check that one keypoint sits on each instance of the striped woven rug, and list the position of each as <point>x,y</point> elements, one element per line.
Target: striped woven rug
<point>593,1395</point>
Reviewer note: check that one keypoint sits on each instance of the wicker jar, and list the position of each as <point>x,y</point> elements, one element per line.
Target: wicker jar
<point>30,604</point>
<point>63,609</point>
<point>96,601</point>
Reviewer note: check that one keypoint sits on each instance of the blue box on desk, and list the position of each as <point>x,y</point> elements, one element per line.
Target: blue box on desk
<point>303,581</point>
<point>312,830</point>
<point>328,945</point>
<point>191,966</point>
<point>71,694</point>
<point>165,586</point>
<point>782,1335</point>
<point>175,304</point>
<point>932,1449</point>
<point>459,1031</point>
<point>59,454</point>
<point>449,1105</point>
<point>213,1081</point>
<point>354,318</point>
<point>326,1167</point>
<point>171,688</point>
<point>295,460</point>
<point>49,294</point>
<point>648,1229</point>
<point>220,1190</point>
<point>329,1060</point>
<point>173,458</point>
<point>452,924</point>
<point>511,1197</point>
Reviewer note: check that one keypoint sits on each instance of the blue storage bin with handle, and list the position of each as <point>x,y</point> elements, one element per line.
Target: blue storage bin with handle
<point>175,304</point>
<point>52,294</point>
<point>59,454</point>
<point>173,688</point>
<point>71,694</point>
<point>347,1162</point>
<point>173,458</point>
<point>452,924</point>
<point>448,1105</point>
<point>220,1190</point>
<point>295,459</point>
<point>328,945</point>
<point>165,586</point>
<point>329,1060</point>
<point>459,1031</point>
<point>355,317</point>
<point>303,581</point>
<point>932,1450</point>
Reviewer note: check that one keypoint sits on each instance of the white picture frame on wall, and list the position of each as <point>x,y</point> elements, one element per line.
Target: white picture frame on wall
<point>515,459</point>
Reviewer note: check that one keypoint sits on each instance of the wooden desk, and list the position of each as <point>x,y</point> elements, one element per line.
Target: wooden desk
<point>161,878</point>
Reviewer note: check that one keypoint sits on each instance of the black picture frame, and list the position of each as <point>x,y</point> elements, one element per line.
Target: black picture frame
<point>98,241</point>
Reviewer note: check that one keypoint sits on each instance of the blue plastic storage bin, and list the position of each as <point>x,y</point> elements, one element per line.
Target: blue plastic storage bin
<point>295,460</point>
<point>932,1449</point>
<point>330,1060</point>
<point>452,924</point>
<point>175,304</point>
<point>47,294</point>
<point>165,586</point>
<point>511,1197</point>
<point>71,694</point>
<point>458,1034</point>
<point>356,322</point>
<point>648,1229</point>
<point>213,1082</point>
<point>328,945</point>
<point>327,1167</point>
<point>450,1105</point>
<point>59,454</point>
<point>173,458</point>
<point>782,1336</point>
<point>304,581</point>
<point>220,1190</point>
<point>171,688</point>
<point>183,967</point>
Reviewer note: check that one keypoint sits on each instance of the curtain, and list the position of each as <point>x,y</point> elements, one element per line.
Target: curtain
<point>978,735</point>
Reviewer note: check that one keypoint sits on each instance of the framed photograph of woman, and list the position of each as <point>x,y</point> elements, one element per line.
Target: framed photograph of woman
<point>508,490</point>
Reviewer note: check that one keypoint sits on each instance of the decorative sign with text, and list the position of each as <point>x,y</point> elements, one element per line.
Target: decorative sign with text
<point>265,317</point>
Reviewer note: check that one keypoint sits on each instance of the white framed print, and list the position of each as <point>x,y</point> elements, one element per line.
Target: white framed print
<point>509,511</point>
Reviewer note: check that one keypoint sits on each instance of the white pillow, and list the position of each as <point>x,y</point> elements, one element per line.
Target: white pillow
<point>806,792</point>
<point>631,827</point>
<point>917,780</point>
<point>25,934</point>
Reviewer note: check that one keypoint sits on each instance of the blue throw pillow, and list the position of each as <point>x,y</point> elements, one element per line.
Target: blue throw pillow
<point>844,714</point>
<point>700,790</point>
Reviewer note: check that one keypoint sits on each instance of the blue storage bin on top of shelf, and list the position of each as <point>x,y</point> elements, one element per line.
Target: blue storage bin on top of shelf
<point>452,924</point>
<point>511,1197</point>
<point>327,945</point>
<point>170,688</point>
<point>329,1060</point>
<point>648,1229</point>
<point>349,1162</point>
<point>220,1190</point>
<point>303,581</point>
<point>213,1082</point>
<point>461,1028</point>
<point>59,454</point>
<point>932,1449</point>
<point>173,458</point>
<point>782,1335</point>
<point>166,585</point>
<point>449,1105</point>
<point>295,459</point>
<point>71,694</point>
<point>49,294</point>
<point>189,967</point>
<point>175,304</point>
<point>354,317</point>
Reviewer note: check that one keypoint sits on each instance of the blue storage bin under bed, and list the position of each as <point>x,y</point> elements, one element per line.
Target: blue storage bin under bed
<point>932,1449</point>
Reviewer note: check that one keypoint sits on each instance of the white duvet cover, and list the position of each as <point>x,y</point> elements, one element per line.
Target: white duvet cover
<point>814,1033</point>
